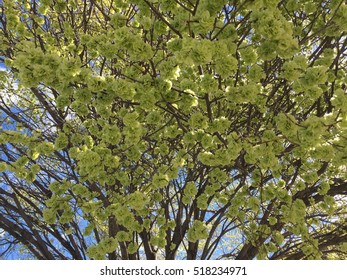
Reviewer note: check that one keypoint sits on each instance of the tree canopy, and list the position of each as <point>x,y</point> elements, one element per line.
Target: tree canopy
<point>173,129</point>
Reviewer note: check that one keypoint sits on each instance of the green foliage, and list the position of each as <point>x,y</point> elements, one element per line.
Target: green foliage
<point>158,129</point>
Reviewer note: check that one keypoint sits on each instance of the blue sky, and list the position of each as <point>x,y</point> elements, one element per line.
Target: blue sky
<point>2,64</point>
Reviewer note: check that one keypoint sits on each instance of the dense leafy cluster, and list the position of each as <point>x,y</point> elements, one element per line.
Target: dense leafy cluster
<point>144,129</point>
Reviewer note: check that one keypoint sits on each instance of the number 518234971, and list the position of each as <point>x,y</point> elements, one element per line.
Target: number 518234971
<point>232,270</point>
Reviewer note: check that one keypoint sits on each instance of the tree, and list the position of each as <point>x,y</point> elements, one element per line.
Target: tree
<point>167,129</point>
